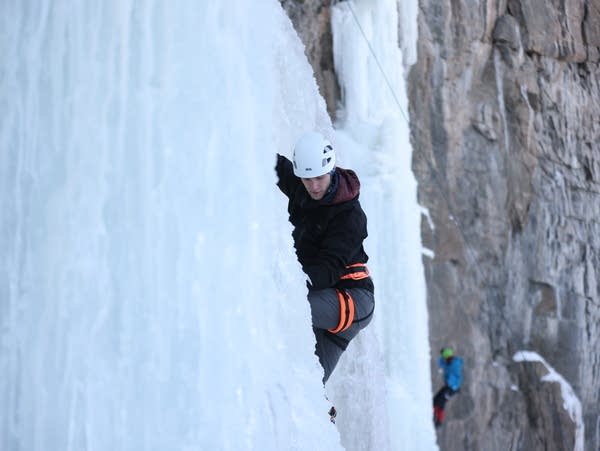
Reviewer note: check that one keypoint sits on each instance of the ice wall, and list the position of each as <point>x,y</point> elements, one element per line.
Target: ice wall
<point>374,130</point>
<point>148,288</point>
<point>149,293</point>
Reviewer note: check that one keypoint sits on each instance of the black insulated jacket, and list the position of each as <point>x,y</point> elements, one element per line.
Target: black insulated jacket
<point>329,233</point>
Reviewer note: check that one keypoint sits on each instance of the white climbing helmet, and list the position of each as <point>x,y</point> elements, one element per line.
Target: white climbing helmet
<point>313,156</point>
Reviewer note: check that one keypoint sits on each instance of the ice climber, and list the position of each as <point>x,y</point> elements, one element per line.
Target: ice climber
<point>451,366</point>
<point>329,227</point>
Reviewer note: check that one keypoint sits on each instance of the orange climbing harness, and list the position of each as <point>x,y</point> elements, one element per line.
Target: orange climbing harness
<point>358,271</point>
<point>346,312</point>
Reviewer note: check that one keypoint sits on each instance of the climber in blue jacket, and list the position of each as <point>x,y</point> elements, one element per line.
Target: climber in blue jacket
<point>452,368</point>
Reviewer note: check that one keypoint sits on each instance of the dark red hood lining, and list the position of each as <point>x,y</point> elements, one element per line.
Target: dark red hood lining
<point>348,186</point>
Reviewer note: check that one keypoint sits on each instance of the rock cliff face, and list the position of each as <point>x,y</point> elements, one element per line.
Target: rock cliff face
<point>505,114</point>
<point>505,122</point>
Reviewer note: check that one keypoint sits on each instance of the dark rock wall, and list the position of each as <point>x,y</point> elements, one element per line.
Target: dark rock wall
<point>505,123</point>
<point>505,120</point>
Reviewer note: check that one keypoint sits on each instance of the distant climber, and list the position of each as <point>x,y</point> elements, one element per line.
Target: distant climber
<point>453,377</point>
<point>329,229</point>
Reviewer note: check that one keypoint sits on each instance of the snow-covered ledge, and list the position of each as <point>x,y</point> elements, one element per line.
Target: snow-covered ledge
<point>571,402</point>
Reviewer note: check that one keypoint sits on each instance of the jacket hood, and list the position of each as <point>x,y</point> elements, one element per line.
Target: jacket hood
<point>348,186</point>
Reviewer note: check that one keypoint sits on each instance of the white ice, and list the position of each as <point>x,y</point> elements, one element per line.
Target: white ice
<point>150,296</point>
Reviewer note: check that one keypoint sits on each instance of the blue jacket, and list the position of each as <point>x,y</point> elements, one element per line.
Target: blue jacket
<point>452,371</point>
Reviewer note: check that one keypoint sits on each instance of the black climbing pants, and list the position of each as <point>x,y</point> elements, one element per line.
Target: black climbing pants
<point>442,396</point>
